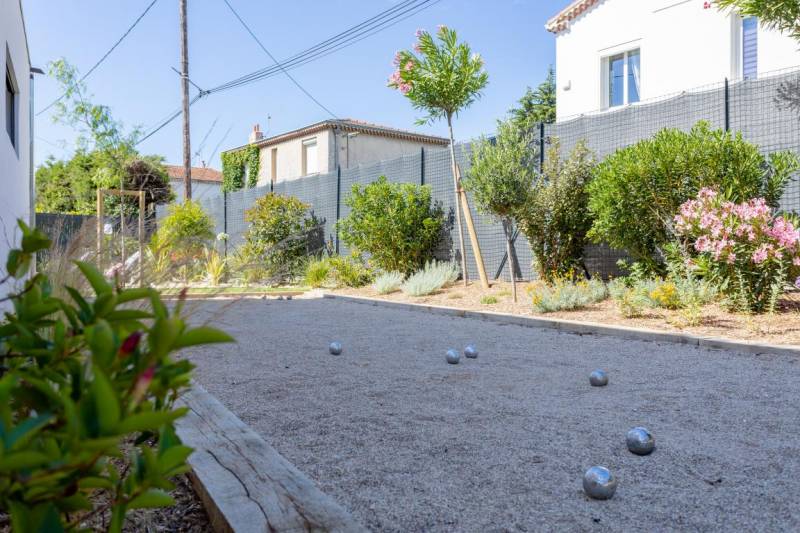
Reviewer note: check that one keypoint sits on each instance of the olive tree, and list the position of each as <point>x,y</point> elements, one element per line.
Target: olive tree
<point>442,77</point>
<point>500,179</point>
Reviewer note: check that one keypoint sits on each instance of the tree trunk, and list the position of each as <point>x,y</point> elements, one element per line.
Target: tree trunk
<point>461,198</point>
<point>457,187</point>
<point>508,229</point>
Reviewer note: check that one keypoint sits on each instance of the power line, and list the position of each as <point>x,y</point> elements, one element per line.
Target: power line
<point>375,24</point>
<point>89,72</point>
<point>380,22</point>
<point>264,48</point>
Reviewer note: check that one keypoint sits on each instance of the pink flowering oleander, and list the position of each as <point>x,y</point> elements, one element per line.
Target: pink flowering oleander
<point>419,33</point>
<point>741,241</point>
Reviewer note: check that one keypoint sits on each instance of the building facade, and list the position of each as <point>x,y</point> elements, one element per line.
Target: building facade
<point>206,182</point>
<point>611,53</point>
<point>16,174</point>
<point>321,147</point>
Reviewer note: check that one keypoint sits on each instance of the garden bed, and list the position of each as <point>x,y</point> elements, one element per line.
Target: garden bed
<point>406,442</point>
<point>783,327</point>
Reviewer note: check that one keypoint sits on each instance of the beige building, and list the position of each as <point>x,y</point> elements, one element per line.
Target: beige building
<point>206,182</point>
<point>321,147</point>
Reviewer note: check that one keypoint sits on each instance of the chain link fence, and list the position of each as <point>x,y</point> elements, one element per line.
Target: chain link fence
<point>766,111</point>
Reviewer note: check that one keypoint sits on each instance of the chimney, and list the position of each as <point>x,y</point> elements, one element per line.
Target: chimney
<point>256,134</point>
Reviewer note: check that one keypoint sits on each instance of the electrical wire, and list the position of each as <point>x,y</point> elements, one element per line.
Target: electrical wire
<point>108,53</point>
<point>264,48</point>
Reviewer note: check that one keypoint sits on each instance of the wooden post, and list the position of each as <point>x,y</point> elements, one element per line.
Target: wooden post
<point>473,235</point>
<point>187,149</point>
<point>100,216</point>
<point>141,238</point>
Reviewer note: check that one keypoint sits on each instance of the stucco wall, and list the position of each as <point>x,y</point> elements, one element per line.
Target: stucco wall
<point>364,148</point>
<point>200,189</point>
<point>682,46</point>
<point>15,163</point>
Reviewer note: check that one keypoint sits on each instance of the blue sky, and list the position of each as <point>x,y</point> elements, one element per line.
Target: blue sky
<point>136,81</point>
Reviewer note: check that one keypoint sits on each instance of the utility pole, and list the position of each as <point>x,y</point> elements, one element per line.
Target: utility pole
<point>187,148</point>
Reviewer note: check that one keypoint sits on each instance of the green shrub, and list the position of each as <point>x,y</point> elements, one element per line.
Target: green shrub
<point>246,266</point>
<point>563,294</point>
<point>87,398</point>
<point>317,271</point>
<point>433,276</point>
<point>184,233</point>
<point>394,222</point>
<point>279,234</point>
<point>637,190</point>
<point>388,282</point>
<point>488,300</point>
<point>555,219</point>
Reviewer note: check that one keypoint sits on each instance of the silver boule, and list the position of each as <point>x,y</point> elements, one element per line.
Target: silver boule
<point>453,357</point>
<point>599,483</point>
<point>598,378</point>
<point>640,441</point>
<point>471,352</point>
<point>335,348</point>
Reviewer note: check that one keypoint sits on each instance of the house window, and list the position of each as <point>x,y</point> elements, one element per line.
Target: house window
<point>623,72</point>
<point>11,103</point>
<point>310,161</point>
<point>274,165</point>
<point>750,47</point>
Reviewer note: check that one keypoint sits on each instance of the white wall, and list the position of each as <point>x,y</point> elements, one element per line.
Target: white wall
<point>364,148</point>
<point>200,189</point>
<point>15,199</point>
<point>683,46</point>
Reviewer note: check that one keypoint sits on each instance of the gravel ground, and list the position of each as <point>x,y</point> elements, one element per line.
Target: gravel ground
<point>409,443</point>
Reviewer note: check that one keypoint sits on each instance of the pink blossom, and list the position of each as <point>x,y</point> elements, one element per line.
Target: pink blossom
<point>417,48</point>
<point>797,282</point>
<point>419,33</point>
<point>760,255</point>
<point>441,27</point>
<point>408,66</point>
<point>405,88</point>
<point>397,59</point>
<point>796,261</point>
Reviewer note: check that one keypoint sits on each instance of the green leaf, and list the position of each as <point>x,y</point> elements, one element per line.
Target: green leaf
<point>95,482</point>
<point>104,304</point>
<point>128,314</point>
<point>150,420</point>
<point>129,295</point>
<point>173,458</point>
<point>151,498</point>
<point>22,460</point>
<point>106,402</point>
<point>94,277</point>
<point>201,335</point>
<point>25,431</point>
<point>102,343</point>
<point>76,502</point>
<point>33,240</point>
<point>17,263</point>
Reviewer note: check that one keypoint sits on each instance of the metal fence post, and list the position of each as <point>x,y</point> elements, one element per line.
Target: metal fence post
<point>225,219</point>
<point>541,146</point>
<point>338,203</point>
<point>422,165</point>
<point>727,107</point>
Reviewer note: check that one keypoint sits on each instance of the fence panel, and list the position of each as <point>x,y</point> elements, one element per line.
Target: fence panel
<point>766,111</point>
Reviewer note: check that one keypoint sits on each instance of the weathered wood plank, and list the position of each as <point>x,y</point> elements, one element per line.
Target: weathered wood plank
<point>246,485</point>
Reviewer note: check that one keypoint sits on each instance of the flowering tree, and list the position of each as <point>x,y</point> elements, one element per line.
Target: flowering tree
<point>442,77</point>
<point>749,250</point>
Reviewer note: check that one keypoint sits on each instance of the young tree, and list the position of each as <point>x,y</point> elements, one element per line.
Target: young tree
<point>536,105</point>
<point>500,179</point>
<point>443,77</point>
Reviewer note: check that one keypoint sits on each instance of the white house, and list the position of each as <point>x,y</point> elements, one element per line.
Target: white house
<point>16,175</point>
<point>612,53</point>
<point>206,182</point>
<point>321,147</point>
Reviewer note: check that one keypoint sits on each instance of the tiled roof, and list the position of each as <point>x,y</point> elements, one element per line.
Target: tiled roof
<point>352,125</point>
<point>198,173</point>
<point>561,21</point>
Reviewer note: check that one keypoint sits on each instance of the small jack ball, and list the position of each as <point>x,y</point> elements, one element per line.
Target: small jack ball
<point>335,348</point>
<point>640,441</point>
<point>599,483</point>
<point>471,351</point>
<point>453,357</point>
<point>598,378</point>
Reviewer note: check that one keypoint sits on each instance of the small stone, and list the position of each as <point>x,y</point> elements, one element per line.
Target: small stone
<point>471,352</point>
<point>453,357</point>
<point>640,441</point>
<point>598,378</point>
<point>289,297</point>
<point>599,483</point>
<point>335,348</point>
